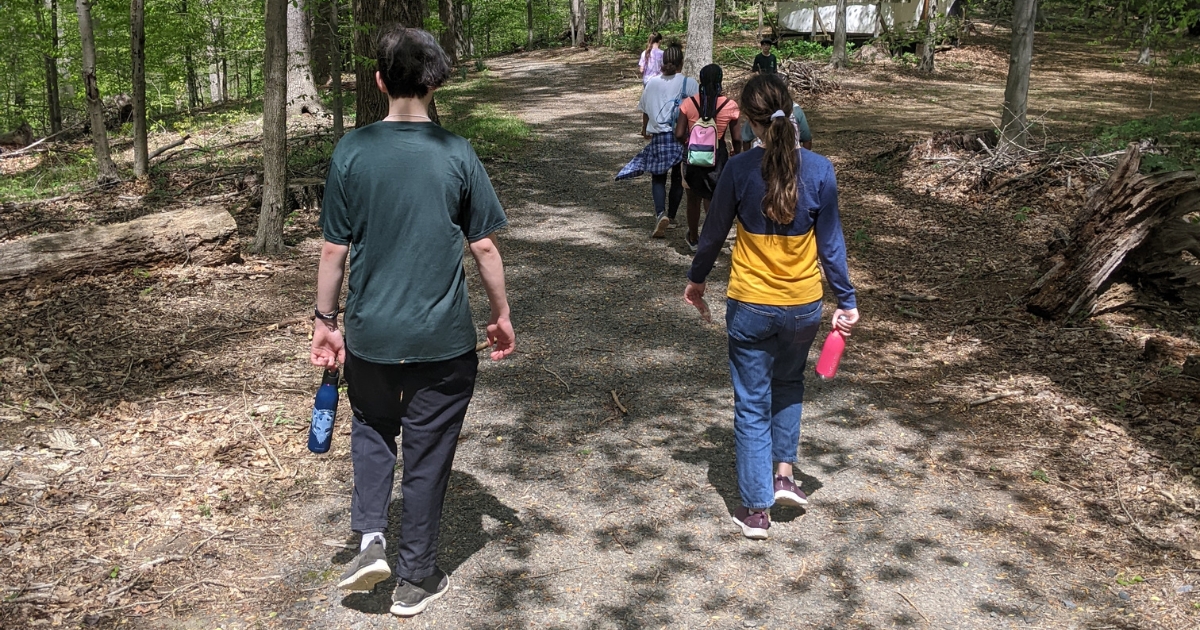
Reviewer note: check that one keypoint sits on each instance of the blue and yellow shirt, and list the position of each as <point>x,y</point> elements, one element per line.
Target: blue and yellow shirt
<point>776,264</point>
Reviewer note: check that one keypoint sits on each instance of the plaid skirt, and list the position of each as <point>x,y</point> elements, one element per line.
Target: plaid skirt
<point>663,152</point>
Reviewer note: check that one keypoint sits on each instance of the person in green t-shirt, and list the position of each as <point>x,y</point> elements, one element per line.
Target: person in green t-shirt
<point>401,197</point>
<point>765,62</point>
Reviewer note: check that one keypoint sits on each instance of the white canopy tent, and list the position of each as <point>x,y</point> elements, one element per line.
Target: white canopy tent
<point>864,18</point>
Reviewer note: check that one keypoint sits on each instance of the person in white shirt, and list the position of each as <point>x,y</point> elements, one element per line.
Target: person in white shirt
<point>660,109</point>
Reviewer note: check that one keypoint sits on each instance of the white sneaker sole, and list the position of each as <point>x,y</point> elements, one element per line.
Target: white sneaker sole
<point>753,533</point>
<point>783,497</point>
<point>367,577</point>
<point>400,610</point>
<point>660,230</point>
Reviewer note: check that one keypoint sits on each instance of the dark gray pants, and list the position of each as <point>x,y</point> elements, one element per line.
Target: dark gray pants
<point>423,404</point>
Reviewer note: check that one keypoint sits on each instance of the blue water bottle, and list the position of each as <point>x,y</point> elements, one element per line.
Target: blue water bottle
<point>320,432</point>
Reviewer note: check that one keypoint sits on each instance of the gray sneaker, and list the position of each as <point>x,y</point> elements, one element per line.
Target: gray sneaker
<point>369,568</point>
<point>412,598</point>
<point>660,227</point>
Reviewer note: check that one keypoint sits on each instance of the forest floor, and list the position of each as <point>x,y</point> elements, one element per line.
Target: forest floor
<point>153,472</point>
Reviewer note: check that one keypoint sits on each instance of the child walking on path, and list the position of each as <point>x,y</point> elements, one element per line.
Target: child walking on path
<point>710,105</point>
<point>409,350</point>
<point>784,199</point>
<point>650,63</point>
<point>660,110</point>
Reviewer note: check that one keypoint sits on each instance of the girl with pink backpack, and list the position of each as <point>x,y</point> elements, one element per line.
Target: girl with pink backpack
<point>704,121</point>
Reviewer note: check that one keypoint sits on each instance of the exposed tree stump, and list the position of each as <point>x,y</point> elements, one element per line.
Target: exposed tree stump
<point>1117,219</point>
<point>204,235</point>
<point>1169,262</point>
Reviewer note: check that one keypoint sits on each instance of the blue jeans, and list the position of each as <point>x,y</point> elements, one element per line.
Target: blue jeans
<point>768,349</point>
<point>658,189</point>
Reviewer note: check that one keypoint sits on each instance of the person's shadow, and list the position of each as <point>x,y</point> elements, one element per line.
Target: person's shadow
<point>462,534</point>
<point>716,448</point>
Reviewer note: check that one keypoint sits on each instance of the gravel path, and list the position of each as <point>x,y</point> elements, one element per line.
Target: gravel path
<point>565,512</point>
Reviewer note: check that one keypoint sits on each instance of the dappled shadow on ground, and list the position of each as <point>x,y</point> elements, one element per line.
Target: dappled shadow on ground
<point>472,518</point>
<point>595,475</point>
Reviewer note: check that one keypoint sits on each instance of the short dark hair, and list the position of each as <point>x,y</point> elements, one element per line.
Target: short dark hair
<point>766,41</point>
<point>410,61</point>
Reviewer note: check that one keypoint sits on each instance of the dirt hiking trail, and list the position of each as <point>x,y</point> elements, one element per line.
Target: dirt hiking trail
<point>595,476</point>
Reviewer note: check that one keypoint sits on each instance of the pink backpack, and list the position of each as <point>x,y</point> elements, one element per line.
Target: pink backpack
<point>702,139</point>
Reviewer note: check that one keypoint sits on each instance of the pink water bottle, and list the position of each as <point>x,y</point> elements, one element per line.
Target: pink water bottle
<point>831,354</point>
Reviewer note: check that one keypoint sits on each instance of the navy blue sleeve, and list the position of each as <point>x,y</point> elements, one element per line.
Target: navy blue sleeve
<point>721,212</point>
<point>831,245</point>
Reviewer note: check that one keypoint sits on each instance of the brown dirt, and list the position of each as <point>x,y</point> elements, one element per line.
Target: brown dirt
<point>156,418</point>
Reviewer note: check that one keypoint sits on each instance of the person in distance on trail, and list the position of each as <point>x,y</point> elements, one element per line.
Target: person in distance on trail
<point>784,199</point>
<point>650,63</point>
<point>660,110</point>
<point>717,110</point>
<point>765,62</point>
<point>402,195</point>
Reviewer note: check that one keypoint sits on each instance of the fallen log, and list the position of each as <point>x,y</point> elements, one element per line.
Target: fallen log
<point>1161,264</point>
<point>201,235</point>
<point>1115,221</point>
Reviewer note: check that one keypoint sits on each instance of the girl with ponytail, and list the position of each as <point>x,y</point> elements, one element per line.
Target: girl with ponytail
<point>650,63</point>
<point>783,199</point>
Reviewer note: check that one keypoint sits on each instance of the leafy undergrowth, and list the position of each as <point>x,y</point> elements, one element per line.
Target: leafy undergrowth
<point>493,132</point>
<point>1176,137</point>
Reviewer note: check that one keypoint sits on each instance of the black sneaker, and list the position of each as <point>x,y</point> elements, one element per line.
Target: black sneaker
<point>412,598</point>
<point>369,568</point>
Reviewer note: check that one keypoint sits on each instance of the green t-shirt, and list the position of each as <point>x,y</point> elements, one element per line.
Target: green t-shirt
<point>766,64</point>
<point>403,196</point>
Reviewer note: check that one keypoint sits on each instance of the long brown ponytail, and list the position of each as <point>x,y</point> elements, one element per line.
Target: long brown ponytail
<point>763,97</point>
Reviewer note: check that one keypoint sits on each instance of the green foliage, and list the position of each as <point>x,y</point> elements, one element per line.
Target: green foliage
<point>1130,581</point>
<point>464,110</point>
<point>58,173</point>
<point>212,33</point>
<point>804,49</point>
<point>1178,137</point>
<point>1040,475</point>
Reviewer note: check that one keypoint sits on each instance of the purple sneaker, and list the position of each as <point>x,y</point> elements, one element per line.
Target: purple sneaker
<point>754,524</point>
<point>788,493</point>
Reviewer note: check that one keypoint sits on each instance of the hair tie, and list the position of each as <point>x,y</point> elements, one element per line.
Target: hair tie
<point>778,114</point>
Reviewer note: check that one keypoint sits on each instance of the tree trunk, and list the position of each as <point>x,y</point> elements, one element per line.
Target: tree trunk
<point>601,14</point>
<point>1116,220</point>
<point>618,19</point>
<point>269,238</point>
<point>320,39</point>
<point>371,104</point>
<point>216,82</point>
<point>1014,128</point>
<point>301,92</point>
<point>452,34</point>
<point>137,52</point>
<point>929,47</point>
<point>699,37</point>
<point>107,171</point>
<point>839,59</point>
<point>760,19</point>
<point>202,235</point>
<point>50,61</point>
<point>335,71</point>
<point>528,24</point>
<point>1147,52</point>
<point>578,23</point>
